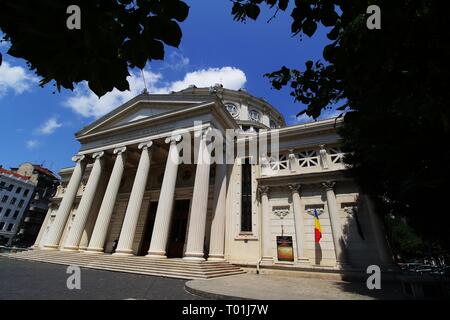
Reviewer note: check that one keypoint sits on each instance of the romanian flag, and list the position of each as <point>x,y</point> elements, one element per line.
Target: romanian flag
<point>317,227</point>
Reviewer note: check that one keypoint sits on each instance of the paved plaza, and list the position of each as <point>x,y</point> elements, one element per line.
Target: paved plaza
<point>45,281</point>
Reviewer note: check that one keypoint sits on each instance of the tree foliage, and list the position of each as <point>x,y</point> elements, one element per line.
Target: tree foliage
<point>393,83</point>
<point>114,35</point>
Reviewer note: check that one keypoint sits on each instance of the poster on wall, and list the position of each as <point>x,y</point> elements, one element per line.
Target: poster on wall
<point>285,250</point>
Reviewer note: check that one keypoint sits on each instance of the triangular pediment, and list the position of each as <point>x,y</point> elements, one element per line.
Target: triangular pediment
<point>140,108</point>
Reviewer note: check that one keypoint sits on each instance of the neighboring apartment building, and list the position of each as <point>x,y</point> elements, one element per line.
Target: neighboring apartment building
<point>46,183</point>
<point>16,191</point>
<point>25,194</point>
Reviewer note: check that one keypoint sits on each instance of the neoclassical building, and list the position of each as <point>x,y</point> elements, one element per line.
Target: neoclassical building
<point>124,190</point>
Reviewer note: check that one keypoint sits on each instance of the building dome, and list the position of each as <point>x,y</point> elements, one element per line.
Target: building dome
<point>251,113</point>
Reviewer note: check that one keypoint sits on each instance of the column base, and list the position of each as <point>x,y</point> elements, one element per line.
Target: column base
<point>94,250</point>
<point>50,247</point>
<point>70,248</point>
<point>194,256</point>
<point>216,257</point>
<point>343,266</point>
<point>124,253</point>
<point>267,261</point>
<point>302,261</point>
<point>156,255</point>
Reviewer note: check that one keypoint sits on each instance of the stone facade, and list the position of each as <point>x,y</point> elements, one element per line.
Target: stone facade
<point>124,189</point>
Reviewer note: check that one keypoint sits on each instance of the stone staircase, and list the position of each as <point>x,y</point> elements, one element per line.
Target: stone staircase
<point>172,268</point>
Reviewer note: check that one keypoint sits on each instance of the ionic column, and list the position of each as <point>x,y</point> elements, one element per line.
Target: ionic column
<point>98,238</point>
<point>299,223</point>
<point>82,213</point>
<point>266,235</point>
<point>161,227</point>
<point>217,238</point>
<point>379,235</point>
<point>336,228</point>
<point>199,205</point>
<point>125,244</point>
<point>37,243</point>
<point>65,207</point>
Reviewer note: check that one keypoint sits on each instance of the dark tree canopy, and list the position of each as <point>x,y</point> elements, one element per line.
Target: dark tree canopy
<point>114,35</point>
<point>393,84</point>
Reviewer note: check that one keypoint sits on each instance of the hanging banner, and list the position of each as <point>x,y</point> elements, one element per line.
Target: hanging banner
<point>285,249</point>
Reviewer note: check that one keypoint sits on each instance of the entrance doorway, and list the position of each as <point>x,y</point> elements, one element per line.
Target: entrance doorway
<point>148,229</point>
<point>178,229</point>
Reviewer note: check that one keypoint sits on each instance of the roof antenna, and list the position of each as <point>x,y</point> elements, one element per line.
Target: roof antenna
<point>145,91</point>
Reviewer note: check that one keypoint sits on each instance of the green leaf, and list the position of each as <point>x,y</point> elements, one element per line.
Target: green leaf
<point>309,27</point>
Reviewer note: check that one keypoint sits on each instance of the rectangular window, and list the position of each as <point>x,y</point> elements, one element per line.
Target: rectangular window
<point>10,187</point>
<point>5,198</point>
<point>1,208</point>
<point>18,189</point>
<point>8,211</point>
<point>246,196</point>
<point>10,226</point>
<point>2,184</point>
<point>20,205</point>
<point>2,225</point>
<point>25,193</point>
<point>13,200</point>
<point>16,213</point>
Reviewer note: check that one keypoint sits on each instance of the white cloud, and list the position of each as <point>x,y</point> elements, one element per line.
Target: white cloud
<point>15,78</point>
<point>32,144</point>
<point>177,61</point>
<point>229,77</point>
<point>86,103</point>
<point>49,126</point>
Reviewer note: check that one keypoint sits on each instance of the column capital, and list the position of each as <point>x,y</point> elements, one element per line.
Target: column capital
<point>263,190</point>
<point>78,158</point>
<point>173,139</point>
<point>329,185</point>
<point>202,133</point>
<point>295,187</point>
<point>98,155</point>
<point>119,150</point>
<point>145,145</point>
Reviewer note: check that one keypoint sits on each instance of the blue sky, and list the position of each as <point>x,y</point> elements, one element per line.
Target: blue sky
<point>38,126</point>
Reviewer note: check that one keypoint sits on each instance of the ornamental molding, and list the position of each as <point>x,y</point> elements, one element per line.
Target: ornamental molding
<point>329,185</point>
<point>295,187</point>
<point>310,210</point>
<point>280,211</point>
<point>263,190</point>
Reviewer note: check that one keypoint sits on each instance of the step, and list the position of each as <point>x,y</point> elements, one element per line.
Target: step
<point>141,261</point>
<point>144,264</point>
<point>174,268</point>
